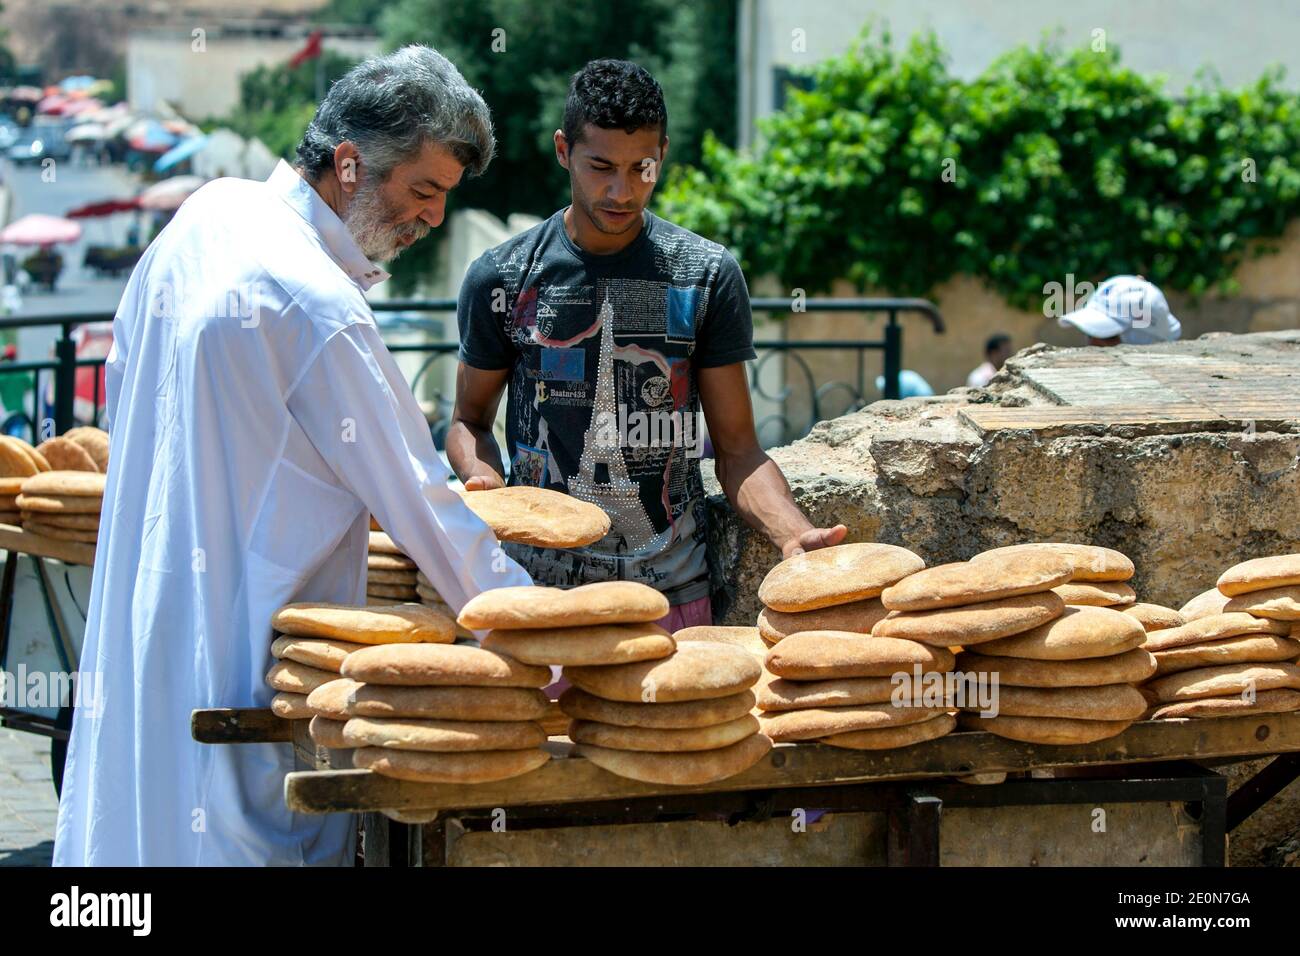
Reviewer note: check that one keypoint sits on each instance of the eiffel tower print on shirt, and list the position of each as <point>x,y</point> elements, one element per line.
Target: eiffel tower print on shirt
<point>602,477</point>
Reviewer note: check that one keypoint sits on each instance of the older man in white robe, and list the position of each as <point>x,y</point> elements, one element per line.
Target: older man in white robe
<point>257,421</point>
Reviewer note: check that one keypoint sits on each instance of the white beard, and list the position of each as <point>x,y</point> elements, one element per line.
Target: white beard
<point>369,219</point>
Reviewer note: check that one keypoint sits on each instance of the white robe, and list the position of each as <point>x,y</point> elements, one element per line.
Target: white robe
<point>248,448</point>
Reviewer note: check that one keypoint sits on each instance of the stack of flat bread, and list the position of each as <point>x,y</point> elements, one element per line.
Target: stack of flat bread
<point>390,574</point>
<point>839,688</point>
<point>435,713</point>
<point>1238,651</point>
<point>62,504</point>
<point>1099,578</point>
<point>313,639</point>
<point>642,705</point>
<point>18,462</point>
<point>831,589</point>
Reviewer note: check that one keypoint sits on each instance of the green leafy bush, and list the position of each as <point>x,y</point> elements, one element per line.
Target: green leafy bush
<point>895,175</point>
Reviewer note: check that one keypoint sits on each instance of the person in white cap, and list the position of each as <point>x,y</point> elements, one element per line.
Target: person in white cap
<point>1125,309</point>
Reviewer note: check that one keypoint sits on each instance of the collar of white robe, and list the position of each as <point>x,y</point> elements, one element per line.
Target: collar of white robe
<point>304,200</point>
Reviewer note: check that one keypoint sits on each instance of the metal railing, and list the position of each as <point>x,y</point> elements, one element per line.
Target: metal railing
<point>64,365</point>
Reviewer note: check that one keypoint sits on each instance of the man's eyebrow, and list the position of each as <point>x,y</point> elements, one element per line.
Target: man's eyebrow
<point>437,185</point>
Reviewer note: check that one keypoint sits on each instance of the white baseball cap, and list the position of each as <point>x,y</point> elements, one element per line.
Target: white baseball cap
<point>1127,306</point>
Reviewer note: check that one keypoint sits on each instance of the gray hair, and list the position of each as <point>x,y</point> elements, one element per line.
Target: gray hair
<point>390,106</point>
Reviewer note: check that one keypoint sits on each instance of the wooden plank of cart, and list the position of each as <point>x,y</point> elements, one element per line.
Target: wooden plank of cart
<point>1147,796</point>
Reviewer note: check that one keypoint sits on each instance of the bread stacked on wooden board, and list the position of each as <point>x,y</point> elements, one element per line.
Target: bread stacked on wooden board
<point>1239,649</point>
<point>62,504</point>
<point>313,639</point>
<point>1099,577</point>
<point>82,449</point>
<point>642,705</point>
<point>390,574</point>
<point>831,589</point>
<point>1042,670</point>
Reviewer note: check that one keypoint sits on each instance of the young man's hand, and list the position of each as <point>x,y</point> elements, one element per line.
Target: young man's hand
<point>484,482</point>
<point>814,538</point>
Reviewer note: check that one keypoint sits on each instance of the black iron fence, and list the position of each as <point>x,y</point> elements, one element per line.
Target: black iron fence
<point>66,390</point>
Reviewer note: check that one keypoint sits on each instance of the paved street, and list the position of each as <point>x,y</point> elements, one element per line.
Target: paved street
<point>27,802</point>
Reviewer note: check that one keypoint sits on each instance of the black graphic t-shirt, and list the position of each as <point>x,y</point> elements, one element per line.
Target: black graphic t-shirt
<point>603,401</point>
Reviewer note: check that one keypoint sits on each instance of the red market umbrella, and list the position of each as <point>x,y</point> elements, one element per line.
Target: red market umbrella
<point>106,207</point>
<point>40,230</point>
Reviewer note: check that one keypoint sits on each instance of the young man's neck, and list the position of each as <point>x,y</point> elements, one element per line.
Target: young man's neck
<point>590,239</point>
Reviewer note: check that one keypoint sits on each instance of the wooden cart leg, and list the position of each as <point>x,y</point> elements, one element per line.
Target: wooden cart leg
<point>913,837</point>
<point>1262,787</point>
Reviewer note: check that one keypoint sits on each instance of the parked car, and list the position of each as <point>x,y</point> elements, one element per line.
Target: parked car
<point>37,143</point>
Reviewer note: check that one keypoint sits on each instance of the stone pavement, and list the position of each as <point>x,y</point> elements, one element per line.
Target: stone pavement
<point>28,805</point>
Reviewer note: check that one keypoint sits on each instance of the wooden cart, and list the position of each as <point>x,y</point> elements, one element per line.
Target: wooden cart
<point>1146,797</point>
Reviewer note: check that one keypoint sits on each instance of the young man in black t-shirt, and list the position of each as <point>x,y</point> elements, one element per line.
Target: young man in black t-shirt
<point>611,328</point>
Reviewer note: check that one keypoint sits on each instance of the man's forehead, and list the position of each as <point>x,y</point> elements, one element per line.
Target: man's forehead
<point>434,166</point>
<point>617,145</point>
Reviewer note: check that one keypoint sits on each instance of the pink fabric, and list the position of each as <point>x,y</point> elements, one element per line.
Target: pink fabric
<point>697,613</point>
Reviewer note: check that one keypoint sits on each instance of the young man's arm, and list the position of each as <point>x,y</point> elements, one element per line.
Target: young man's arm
<point>486,358</point>
<point>472,449</point>
<point>753,481</point>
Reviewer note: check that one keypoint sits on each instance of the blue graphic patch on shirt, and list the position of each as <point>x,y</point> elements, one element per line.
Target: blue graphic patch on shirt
<point>681,312</point>
<point>563,365</point>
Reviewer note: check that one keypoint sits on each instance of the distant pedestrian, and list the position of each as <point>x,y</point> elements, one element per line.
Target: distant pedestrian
<point>1125,309</point>
<point>996,351</point>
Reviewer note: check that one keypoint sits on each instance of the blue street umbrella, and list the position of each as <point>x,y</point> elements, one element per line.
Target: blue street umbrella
<point>180,152</point>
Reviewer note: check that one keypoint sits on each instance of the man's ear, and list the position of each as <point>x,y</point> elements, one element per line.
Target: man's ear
<point>663,153</point>
<point>561,148</point>
<point>346,162</point>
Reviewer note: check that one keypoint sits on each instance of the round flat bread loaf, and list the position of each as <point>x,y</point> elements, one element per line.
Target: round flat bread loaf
<point>328,733</point>
<point>1044,730</point>
<point>381,543</point>
<point>1101,594</point>
<point>66,455</point>
<point>856,616</point>
<point>681,715</point>
<point>605,602</point>
<point>660,740</point>
<point>1080,632</point>
<point>394,624</point>
<point>61,534</point>
<point>73,522</point>
<point>94,441</point>
<point>1091,563</point>
<point>379,561</point>
<point>11,485</point>
<point>824,655</point>
<point>14,518</point>
<point>322,653</point>
<point>538,516</point>
<point>394,592</point>
<point>688,769</point>
<point>15,462</point>
<point>973,582</point>
<point>1154,617</point>
<point>1223,681</point>
<point>584,646</point>
<point>434,665</point>
<point>330,699</point>
<point>746,637</point>
<point>890,738</point>
<point>1130,667</point>
<point>1243,649</point>
<point>1265,702</point>
<point>1280,604</point>
<point>817,722</point>
<point>443,736</point>
<point>398,576</point>
<point>74,484</point>
<point>696,671</point>
<point>1108,702</point>
<point>1213,627</point>
<point>424,766</point>
<point>291,706</point>
<point>836,575</point>
<point>1276,571</point>
<point>446,703</point>
<point>295,678</point>
<point>60,504</point>
<point>972,623</point>
<point>782,694</point>
<point>1204,604</point>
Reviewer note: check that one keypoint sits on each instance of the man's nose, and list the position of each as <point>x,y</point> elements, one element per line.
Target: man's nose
<point>434,212</point>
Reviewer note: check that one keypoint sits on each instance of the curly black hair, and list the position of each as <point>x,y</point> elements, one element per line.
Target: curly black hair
<point>614,94</point>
